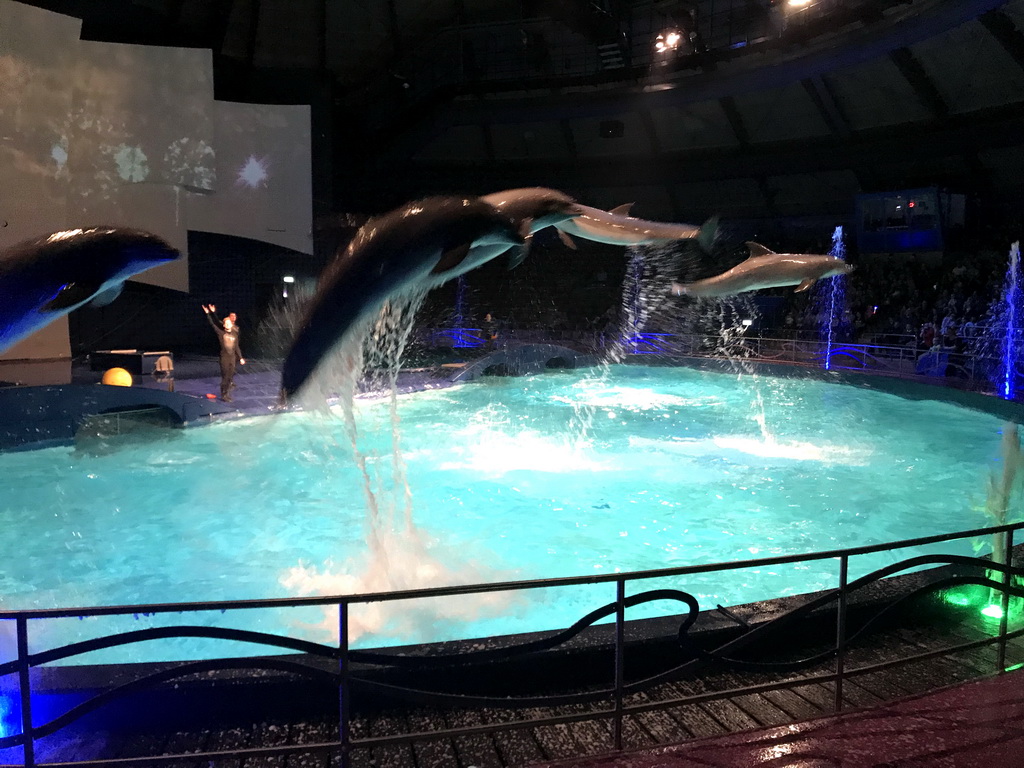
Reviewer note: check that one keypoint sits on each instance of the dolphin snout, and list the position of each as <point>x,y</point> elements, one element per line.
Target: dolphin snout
<point>159,254</point>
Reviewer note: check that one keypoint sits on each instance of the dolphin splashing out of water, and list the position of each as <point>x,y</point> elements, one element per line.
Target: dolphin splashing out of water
<point>423,244</point>
<point>416,246</point>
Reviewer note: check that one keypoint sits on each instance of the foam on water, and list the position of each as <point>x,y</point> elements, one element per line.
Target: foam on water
<point>399,555</point>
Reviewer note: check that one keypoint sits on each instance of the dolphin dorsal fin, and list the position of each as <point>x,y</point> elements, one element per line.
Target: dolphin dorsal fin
<point>622,210</point>
<point>756,249</point>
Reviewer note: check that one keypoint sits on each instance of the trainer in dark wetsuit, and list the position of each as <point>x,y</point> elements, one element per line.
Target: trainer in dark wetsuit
<point>230,353</point>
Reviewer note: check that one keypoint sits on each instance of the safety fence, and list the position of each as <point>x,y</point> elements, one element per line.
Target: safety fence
<point>972,371</point>
<point>926,571</point>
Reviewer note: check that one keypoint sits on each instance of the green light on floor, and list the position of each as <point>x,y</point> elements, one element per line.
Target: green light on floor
<point>992,611</point>
<point>1014,667</point>
<point>957,598</point>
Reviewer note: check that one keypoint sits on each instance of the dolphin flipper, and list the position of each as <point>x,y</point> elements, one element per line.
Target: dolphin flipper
<point>105,297</point>
<point>566,239</point>
<point>451,258</point>
<point>71,295</point>
<point>804,285</point>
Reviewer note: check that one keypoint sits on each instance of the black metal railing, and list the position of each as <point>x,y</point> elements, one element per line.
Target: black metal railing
<point>690,655</point>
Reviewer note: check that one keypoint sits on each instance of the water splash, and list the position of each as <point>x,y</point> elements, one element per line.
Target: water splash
<point>1007,327</point>
<point>633,303</point>
<point>399,554</point>
<point>649,315</point>
<point>830,299</point>
<point>460,300</point>
<point>402,562</point>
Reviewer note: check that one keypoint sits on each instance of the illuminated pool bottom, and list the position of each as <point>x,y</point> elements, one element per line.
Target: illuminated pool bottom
<point>612,469</point>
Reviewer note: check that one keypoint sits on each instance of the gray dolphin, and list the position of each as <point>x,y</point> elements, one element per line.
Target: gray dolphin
<point>617,227</point>
<point>766,269</point>
<point>532,209</point>
<point>50,276</point>
<point>418,245</point>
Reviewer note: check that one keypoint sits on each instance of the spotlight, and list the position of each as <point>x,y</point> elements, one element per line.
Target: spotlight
<point>747,323</point>
<point>798,3</point>
<point>288,279</point>
<point>667,41</point>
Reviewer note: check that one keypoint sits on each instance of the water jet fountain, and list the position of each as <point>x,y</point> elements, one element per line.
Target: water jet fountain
<point>1005,328</point>
<point>830,300</point>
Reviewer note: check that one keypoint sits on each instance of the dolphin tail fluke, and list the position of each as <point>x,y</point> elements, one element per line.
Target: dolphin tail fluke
<point>566,239</point>
<point>707,233</point>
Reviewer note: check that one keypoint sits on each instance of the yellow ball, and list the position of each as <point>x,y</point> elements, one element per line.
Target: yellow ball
<point>117,377</point>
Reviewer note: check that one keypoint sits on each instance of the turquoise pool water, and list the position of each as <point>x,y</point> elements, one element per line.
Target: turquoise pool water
<point>612,469</point>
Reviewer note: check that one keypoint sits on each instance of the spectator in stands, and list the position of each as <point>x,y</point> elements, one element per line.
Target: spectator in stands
<point>927,335</point>
<point>948,330</point>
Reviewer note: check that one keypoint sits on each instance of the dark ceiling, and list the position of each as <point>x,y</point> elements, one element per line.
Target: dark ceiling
<point>765,111</point>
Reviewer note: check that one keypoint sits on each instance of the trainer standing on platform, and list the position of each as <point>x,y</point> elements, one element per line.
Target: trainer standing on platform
<point>230,353</point>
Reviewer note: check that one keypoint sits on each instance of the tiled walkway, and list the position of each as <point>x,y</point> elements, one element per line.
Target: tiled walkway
<point>975,725</point>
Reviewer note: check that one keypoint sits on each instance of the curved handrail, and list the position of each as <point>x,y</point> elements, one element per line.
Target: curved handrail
<point>164,633</point>
<point>693,657</point>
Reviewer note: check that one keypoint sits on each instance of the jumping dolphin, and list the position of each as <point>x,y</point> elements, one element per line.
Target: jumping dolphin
<point>532,209</point>
<point>617,227</point>
<point>50,276</point>
<point>766,269</point>
<point>418,245</point>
